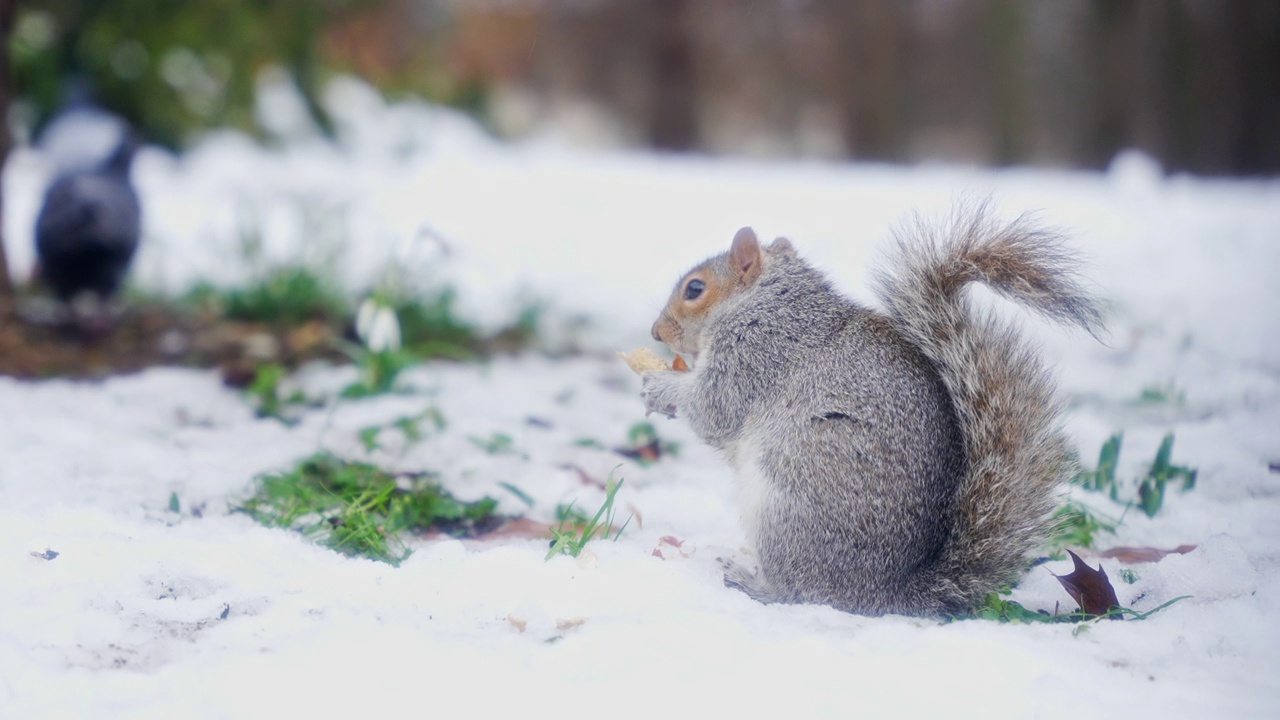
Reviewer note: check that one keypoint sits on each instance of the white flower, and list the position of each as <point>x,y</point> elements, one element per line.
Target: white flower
<point>377,326</point>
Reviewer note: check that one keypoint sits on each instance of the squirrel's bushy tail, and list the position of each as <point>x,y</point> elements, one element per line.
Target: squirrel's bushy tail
<point>1003,396</point>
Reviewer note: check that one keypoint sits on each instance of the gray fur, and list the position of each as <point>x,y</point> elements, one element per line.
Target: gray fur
<point>889,463</point>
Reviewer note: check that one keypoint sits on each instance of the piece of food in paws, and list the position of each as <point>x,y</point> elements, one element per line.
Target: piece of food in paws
<point>643,360</point>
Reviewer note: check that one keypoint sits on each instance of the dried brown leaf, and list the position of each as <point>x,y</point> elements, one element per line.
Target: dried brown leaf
<point>1134,555</point>
<point>669,546</point>
<point>1090,588</point>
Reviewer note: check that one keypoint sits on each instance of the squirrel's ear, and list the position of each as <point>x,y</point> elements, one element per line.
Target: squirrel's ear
<point>782,245</point>
<point>745,259</point>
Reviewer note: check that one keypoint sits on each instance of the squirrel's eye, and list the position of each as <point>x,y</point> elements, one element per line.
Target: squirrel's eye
<point>694,289</point>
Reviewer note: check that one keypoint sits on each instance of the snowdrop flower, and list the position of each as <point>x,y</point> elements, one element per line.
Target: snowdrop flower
<point>377,326</point>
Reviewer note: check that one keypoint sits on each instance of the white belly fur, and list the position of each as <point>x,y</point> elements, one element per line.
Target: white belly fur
<point>754,489</point>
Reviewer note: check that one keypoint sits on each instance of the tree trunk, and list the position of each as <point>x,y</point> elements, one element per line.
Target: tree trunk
<point>672,121</point>
<point>8,8</point>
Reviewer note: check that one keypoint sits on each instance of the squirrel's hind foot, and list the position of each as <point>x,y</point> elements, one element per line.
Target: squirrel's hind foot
<point>751,582</point>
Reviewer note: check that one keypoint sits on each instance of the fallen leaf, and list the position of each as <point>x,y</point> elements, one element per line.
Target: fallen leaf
<point>670,546</point>
<point>1090,588</point>
<point>1143,554</point>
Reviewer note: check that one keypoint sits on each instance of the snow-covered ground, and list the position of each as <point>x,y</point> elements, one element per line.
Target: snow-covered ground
<point>149,613</point>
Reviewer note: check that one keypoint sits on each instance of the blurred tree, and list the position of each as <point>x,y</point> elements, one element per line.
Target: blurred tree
<point>8,10</point>
<point>1068,82</point>
<point>673,122</point>
<point>170,67</point>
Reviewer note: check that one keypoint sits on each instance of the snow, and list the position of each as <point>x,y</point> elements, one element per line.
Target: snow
<point>127,620</point>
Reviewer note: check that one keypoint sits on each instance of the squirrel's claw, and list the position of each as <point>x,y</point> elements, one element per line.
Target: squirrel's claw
<point>656,390</point>
<point>669,411</point>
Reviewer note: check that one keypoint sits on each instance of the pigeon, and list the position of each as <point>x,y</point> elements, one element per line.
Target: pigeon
<point>82,135</point>
<point>88,228</point>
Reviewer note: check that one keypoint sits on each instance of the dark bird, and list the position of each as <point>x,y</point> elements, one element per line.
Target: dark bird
<point>88,228</point>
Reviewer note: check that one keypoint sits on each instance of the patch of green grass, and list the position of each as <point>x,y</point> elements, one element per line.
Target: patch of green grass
<point>496,444</point>
<point>1075,525</point>
<point>430,327</point>
<point>360,510</point>
<point>378,371</point>
<point>567,514</point>
<point>285,296</point>
<point>1168,393</point>
<point>410,428</point>
<point>1008,611</point>
<point>426,323</point>
<point>1151,487</point>
<point>1103,477</point>
<point>267,397</point>
<point>570,538</point>
<point>265,390</point>
<point>1128,576</point>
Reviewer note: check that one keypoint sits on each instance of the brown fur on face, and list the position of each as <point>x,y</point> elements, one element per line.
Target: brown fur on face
<point>681,320</point>
<point>680,324</point>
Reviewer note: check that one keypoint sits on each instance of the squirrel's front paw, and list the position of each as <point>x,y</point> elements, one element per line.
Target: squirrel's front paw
<point>659,390</point>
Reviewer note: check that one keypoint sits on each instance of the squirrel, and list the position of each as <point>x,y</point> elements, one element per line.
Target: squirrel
<point>904,461</point>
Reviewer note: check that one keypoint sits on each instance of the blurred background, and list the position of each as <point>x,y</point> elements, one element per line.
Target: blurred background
<point>1194,83</point>
<point>364,154</point>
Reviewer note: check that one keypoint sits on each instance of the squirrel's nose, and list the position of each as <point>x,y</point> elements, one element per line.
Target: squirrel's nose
<point>655,334</point>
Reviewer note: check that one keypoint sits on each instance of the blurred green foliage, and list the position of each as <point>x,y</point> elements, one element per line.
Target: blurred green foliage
<point>286,296</point>
<point>170,67</point>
